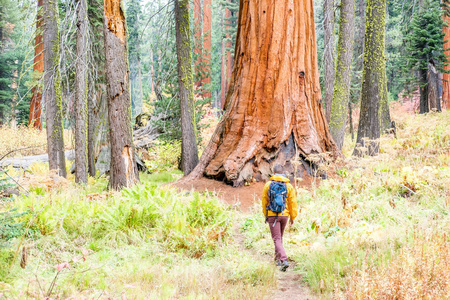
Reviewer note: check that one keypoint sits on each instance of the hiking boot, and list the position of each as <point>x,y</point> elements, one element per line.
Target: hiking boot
<point>284,266</point>
<point>278,263</point>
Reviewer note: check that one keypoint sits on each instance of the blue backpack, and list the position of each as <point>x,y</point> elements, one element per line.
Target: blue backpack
<point>277,197</point>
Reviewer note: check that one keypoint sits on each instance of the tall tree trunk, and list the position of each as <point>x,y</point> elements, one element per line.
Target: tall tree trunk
<point>123,171</point>
<point>34,118</point>
<point>228,48</point>
<point>446,76</point>
<point>341,95</point>
<point>133,16</point>
<point>328,54</point>
<point>223,79</point>
<point>374,88</point>
<point>423,81</point>
<point>81,94</point>
<point>206,57</point>
<point>52,89</point>
<point>198,45</point>
<point>189,150</point>
<point>273,108</point>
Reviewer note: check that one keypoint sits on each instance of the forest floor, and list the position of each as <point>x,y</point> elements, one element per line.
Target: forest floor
<point>289,284</point>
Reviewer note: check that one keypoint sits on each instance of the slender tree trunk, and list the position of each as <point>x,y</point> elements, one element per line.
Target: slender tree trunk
<point>341,95</point>
<point>81,94</point>
<point>52,89</point>
<point>273,107</point>
<point>223,78</point>
<point>328,54</point>
<point>189,150</point>
<point>446,76</point>
<point>91,136</point>
<point>374,88</point>
<point>198,45</point>
<point>123,171</point>
<point>228,48</point>
<point>34,118</point>
<point>350,118</point>
<point>206,80</point>
<point>423,105</point>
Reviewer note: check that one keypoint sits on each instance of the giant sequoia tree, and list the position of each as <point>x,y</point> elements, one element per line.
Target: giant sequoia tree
<point>123,171</point>
<point>273,106</point>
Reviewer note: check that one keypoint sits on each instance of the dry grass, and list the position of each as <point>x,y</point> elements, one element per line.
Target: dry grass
<point>420,270</point>
<point>25,137</point>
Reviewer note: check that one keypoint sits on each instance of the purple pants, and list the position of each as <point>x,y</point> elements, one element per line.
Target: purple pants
<point>277,235</point>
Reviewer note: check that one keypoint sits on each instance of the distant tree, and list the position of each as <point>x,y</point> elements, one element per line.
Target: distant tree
<point>52,88</point>
<point>123,171</point>
<point>38,69</point>
<point>81,95</point>
<point>374,88</point>
<point>189,152</point>
<point>134,56</point>
<point>446,76</point>
<point>341,94</point>
<point>425,47</point>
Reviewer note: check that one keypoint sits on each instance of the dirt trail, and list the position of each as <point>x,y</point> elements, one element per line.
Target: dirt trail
<point>289,283</point>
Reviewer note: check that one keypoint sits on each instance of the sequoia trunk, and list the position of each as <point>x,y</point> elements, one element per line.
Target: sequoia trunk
<point>273,106</point>
<point>341,95</point>
<point>34,119</point>
<point>189,152</point>
<point>446,76</point>
<point>123,171</point>
<point>52,89</point>
<point>81,94</point>
<point>374,88</point>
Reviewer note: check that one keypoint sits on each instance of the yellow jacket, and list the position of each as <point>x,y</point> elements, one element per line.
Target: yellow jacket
<point>291,201</point>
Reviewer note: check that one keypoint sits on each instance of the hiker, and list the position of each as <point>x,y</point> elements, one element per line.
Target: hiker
<point>279,203</point>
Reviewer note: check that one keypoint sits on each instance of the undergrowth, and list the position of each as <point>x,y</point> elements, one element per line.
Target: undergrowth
<point>376,229</point>
<point>146,242</point>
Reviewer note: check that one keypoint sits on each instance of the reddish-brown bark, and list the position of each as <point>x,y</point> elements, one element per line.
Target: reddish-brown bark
<point>34,119</point>
<point>223,79</point>
<point>446,76</point>
<point>273,111</point>
<point>228,47</point>
<point>206,57</point>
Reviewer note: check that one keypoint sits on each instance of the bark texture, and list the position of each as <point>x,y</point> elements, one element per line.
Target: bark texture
<point>81,94</point>
<point>34,119</point>
<point>273,106</point>
<point>52,88</point>
<point>328,54</point>
<point>206,57</point>
<point>434,102</point>
<point>189,152</point>
<point>446,76</point>
<point>341,95</point>
<point>123,171</point>
<point>374,88</point>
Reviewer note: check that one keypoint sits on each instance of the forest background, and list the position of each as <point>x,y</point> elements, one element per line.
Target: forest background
<point>375,227</point>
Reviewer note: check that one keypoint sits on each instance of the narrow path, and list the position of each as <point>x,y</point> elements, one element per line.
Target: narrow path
<point>289,283</point>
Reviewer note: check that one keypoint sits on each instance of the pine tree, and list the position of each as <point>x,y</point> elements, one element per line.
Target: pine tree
<point>425,47</point>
